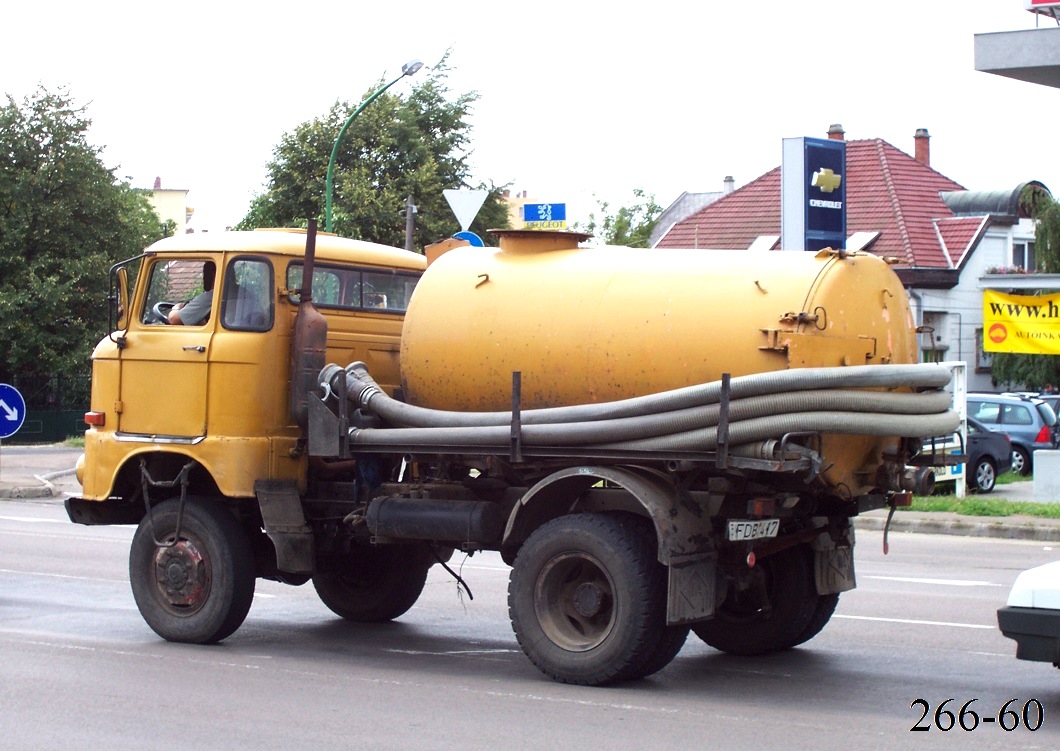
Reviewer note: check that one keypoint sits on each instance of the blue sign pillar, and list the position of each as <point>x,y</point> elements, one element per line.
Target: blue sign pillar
<point>12,410</point>
<point>813,207</point>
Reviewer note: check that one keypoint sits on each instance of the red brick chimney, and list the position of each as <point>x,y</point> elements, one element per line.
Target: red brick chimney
<point>835,132</point>
<point>922,151</point>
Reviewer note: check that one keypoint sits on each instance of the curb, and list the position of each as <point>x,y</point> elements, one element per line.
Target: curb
<point>30,492</point>
<point>36,492</point>
<point>1005,530</point>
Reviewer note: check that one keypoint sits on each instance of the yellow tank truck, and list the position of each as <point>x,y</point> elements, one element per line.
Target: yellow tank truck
<point>655,441</point>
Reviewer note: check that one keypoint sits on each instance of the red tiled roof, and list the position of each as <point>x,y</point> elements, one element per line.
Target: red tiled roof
<point>959,235</point>
<point>887,191</point>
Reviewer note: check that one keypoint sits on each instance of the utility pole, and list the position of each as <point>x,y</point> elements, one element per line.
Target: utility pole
<point>410,222</point>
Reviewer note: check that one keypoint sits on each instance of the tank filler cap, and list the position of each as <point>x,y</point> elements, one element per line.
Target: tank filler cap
<point>537,241</point>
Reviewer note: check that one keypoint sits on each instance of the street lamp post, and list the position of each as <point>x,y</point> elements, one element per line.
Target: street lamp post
<point>407,69</point>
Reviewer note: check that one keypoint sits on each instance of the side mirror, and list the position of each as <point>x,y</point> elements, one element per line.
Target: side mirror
<point>123,298</point>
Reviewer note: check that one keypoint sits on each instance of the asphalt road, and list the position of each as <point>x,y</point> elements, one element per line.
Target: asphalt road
<point>79,666</point>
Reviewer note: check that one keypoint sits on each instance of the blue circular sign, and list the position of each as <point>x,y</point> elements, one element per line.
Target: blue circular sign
<point>471,237</point>
<point>12,410</point>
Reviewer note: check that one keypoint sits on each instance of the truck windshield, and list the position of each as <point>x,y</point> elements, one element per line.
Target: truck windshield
<point>356,289</point>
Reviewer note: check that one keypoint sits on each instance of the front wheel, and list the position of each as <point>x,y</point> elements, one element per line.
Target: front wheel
<point>984,476</point>
<point>587,600</point>
<point>197,588</point>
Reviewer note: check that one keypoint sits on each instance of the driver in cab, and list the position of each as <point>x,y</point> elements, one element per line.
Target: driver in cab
<point>196,311</point>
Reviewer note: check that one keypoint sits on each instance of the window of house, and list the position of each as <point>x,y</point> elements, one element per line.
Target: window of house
<point>983,360</point>
<point>1023,254</point>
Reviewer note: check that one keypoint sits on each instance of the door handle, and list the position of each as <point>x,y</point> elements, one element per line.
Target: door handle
<point>195,348</point>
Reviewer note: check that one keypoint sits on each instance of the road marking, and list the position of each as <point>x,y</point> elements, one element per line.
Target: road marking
<point>452,651</point>
<point>34,520</point>
<point>62,576</point>
<point>913,622</point>
<point>940,582</point>
<point>65,536</point>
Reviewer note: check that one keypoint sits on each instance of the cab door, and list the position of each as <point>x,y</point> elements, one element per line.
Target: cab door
<point>164,367</point>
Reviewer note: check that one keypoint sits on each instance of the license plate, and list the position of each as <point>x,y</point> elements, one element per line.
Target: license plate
<point>753,530</point>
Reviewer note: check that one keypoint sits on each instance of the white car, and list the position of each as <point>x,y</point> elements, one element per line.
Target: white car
<point>1032,615</point>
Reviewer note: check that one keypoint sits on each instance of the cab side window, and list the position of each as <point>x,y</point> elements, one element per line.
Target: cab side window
<point>172,282</point>
<point>350,288</point>
<point>248,300</point>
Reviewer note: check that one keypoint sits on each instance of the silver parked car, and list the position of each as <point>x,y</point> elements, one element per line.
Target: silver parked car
<point>1029,422</point>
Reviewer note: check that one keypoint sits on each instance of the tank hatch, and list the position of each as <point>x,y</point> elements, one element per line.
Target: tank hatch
<point>536,240</point>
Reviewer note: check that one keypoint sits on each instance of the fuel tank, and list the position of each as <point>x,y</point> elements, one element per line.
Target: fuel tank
<point>587,325</point>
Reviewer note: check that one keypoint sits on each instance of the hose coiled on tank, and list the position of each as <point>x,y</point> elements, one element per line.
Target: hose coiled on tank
<point>762,406</point>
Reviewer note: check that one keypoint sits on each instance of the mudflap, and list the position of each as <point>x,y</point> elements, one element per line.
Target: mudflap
<point>833,562</point>
<point>281,512</point>
<point>692,587</point>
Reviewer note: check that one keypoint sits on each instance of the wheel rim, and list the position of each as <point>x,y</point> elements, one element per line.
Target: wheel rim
<point>1017,461</point>
<point>984,476</point>
<point>574,601</point>
<point>182,578</point>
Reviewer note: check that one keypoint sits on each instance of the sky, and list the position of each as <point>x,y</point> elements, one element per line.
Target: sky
<point>579,102</point>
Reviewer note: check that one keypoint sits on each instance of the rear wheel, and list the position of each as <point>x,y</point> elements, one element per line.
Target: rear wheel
<point>774,610</point>
<point>198,588</point>
<point>822,613</point>
<point>587,599</point>
<point>984,476</point>
<point>1021,461</point>
<point>373,584</point>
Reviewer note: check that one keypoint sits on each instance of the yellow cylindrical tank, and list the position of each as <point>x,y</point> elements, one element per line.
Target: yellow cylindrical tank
<point>593,325</point>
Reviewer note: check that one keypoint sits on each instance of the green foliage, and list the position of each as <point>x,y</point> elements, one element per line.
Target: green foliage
<point>64,219</point>
<point>396,148</point>
<point>980,506</point>
<point>630,225</point>
<point>1011,370</point>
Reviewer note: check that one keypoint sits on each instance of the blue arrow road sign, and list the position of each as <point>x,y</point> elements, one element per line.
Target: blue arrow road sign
<point>471,237</point>
<point>12,410</point>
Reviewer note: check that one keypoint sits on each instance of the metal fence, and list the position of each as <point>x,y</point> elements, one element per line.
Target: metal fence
<point>55,407</point>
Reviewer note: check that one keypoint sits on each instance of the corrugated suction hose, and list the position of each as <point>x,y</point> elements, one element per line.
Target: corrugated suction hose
<point>762,406</point>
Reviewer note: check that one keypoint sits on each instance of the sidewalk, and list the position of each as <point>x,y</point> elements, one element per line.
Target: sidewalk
<point>46,473</point>
<point>38,472</point>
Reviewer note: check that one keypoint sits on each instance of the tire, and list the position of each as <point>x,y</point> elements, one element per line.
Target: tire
<point>1021,461</point>
<point>199,590</point>
<point>984,477</point>
<point>822,613</point>
<point>373,584</point>
<point>743,625</point>
<point>587,600</point>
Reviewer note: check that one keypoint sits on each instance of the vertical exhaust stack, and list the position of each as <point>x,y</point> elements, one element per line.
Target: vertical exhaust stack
<point>309,343</point>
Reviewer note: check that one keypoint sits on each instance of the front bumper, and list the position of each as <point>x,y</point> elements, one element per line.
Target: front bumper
<point>1035,630</point>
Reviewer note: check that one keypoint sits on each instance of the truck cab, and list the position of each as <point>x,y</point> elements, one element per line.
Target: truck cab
<point>216,392</point>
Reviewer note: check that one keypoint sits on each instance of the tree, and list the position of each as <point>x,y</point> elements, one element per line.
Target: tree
<point>396,148</point>
<point>64,220</point>
<point>1035,371</point>
<point>630,225</point>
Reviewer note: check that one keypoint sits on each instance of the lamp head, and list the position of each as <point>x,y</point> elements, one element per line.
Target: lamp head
<point>411,67</point>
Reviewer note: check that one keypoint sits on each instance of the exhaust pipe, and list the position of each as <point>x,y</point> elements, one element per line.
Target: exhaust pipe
<point>309,343</point>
